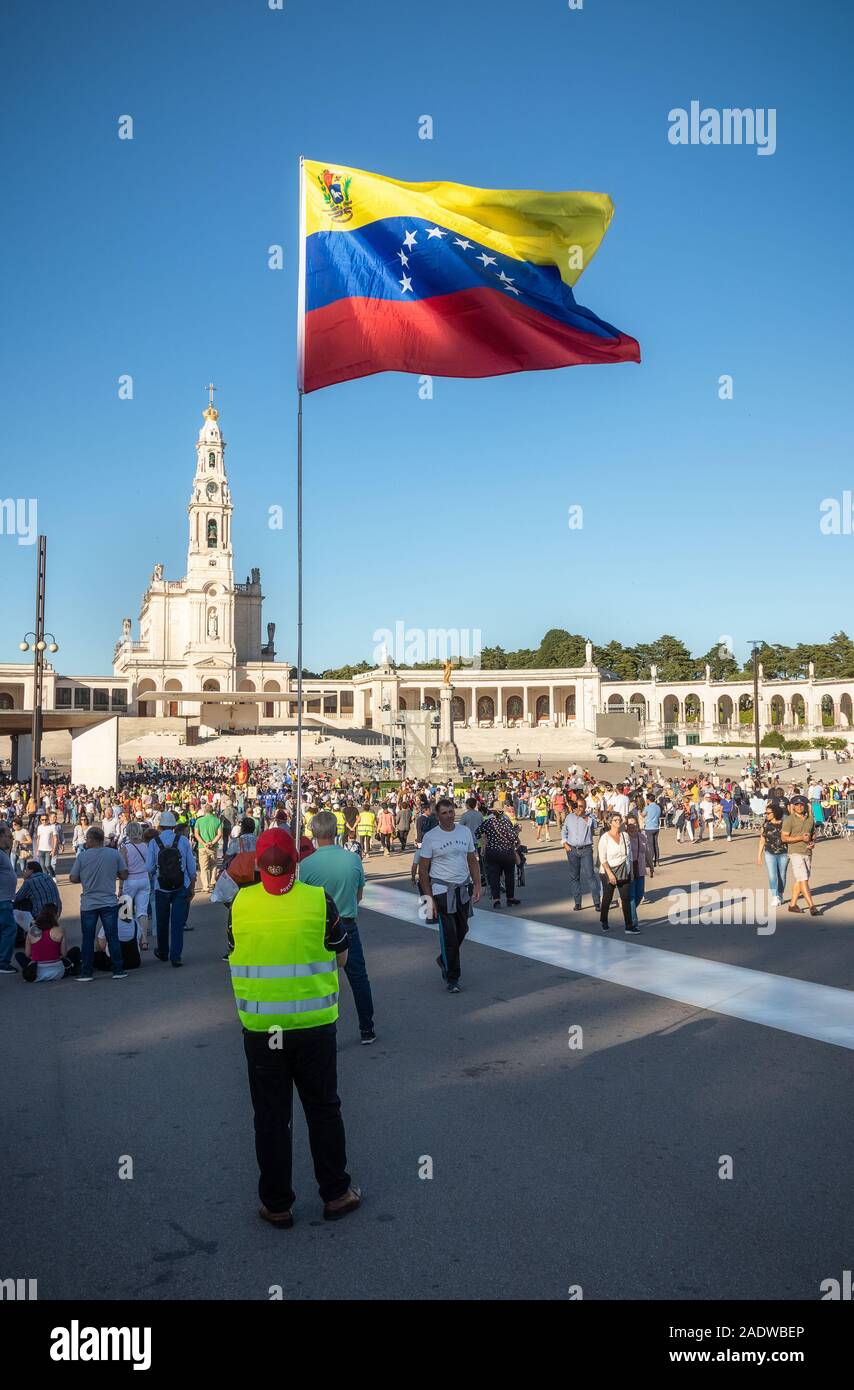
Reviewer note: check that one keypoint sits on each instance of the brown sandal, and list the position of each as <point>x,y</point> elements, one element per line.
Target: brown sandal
<point>796,909</point>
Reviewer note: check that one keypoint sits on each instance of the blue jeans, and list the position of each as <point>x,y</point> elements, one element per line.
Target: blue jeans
<point>8,931</point>
<point>357,973</point>
<point>109,917</point>
<point>171,906</point>
<point>582,879</point>
<point>635,895</point>
<point>777,866</point>
<point>44,860</point>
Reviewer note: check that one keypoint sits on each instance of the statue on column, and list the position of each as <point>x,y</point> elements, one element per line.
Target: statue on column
<point>213,624</point>
<point>126,629</point>
<point>447,668</point>
<point>588,653</point>
<point>158,573</point>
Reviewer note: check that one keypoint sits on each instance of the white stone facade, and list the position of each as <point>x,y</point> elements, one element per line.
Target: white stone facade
<point>204,633</point>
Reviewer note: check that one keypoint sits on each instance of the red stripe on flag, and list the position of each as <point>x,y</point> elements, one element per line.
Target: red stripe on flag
<point>478,332</point>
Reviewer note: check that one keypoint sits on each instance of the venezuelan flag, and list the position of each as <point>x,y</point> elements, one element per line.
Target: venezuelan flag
<point>444,280</point>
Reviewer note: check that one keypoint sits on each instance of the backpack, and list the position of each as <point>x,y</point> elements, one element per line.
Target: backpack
<point>170,874</point>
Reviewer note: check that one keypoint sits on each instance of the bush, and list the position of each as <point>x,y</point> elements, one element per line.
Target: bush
<point>773,740</point>
<point>796,745</point>
<point>837,743</point>
<point>821,742</point>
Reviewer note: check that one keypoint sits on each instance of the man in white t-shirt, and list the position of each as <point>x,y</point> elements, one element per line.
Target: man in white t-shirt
<point>449,875</point>
<point>620,802</point>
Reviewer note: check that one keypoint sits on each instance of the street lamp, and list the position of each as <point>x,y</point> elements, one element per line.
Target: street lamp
<point>36,641</point>
<point>756,643</point>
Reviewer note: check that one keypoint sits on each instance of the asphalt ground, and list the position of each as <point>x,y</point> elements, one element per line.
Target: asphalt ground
<point>552,1166</point>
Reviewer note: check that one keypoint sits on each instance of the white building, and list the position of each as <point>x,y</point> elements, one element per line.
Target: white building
<point>202,636</point>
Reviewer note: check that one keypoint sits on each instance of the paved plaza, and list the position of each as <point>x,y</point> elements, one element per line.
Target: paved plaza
<point>597,1166</point>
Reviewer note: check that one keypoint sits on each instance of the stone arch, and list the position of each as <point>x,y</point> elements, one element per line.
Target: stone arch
<point>569,705</point>
<point>725,709</point>
<point>846,712</point>
<point>616,704</point>
<point>212,533</point>
<point>799,709</point>
<point>542,711</point>
<point>777,710</point>
<point>246,685</point>
<point>146,708</point>
<point>458,709</point>
<point>486,707</point>
<point>828,711</point>
<point>211,684</point>
<point>670,709</point>
<point>638,702</point>
<point>271,687</point>
<point>429,702</point>
<point>693,709</point>
<point>6,701</point>
<point>401,704</point>
<point>515,707</point>
<point>171,708</point>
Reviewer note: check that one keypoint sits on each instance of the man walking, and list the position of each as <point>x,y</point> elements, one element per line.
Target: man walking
<point>286,943</point>
<point>341,875</point>
<point>207,832</point>
<point>577,840</point>
<point>500,854</point>
<point>652,826</point>
<point>96,870</point>
<point>449,874</point>
<point>170,860</point>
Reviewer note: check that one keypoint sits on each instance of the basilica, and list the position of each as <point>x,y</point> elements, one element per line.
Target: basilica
<point>204,662</point>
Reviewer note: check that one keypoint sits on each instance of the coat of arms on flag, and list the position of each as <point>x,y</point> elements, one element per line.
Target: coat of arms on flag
<point>336,195</point>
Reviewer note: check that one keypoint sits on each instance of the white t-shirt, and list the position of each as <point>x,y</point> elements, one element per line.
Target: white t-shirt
<point>45,837</point>
<point>621,804</point>
<point>447,851</point>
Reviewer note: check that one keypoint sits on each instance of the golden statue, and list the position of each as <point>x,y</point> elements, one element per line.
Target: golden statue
<point>447,669</point>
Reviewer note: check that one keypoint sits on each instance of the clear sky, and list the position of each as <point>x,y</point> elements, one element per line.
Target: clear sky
<point>149,257</point>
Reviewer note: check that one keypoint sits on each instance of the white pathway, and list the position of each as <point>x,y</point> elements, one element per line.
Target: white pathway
<point>777,1001</point>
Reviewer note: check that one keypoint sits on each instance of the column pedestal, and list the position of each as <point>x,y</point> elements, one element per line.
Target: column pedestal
<point>448,762</point>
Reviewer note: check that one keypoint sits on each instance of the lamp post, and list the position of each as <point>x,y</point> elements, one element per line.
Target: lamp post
<point>39,646</point>
<point>756,643</point>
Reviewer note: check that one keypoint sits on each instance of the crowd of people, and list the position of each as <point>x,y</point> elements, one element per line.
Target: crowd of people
<point>292,878</point>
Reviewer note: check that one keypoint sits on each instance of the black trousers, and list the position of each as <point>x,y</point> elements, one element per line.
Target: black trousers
<point>608,891</point>
<point>652,836</point>
<point>498,866</point>
<point>453,927</point>
<point>305,1058</point>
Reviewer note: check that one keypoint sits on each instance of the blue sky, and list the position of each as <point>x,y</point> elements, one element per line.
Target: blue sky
<point>149,257</point>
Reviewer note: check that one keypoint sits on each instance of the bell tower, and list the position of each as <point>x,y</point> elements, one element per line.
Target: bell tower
<point>210,572</point>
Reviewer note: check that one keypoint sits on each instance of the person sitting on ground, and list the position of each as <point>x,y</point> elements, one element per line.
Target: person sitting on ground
<point>37,890</point>
<point>44,956</point>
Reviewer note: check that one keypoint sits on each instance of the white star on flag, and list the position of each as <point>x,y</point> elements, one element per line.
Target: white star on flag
<point>506,278</point>
<point>511,289</point>
<point>406,283</point>
<point>461,241</point>
<point>404,259</point>
<point>487,260</point>
<point>409,240</point>
<point>435,231</point>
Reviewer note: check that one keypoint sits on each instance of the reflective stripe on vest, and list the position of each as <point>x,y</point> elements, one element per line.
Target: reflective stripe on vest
<point>282,974</point>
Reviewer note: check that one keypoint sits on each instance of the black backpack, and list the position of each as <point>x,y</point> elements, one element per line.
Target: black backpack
<point>170,874</point>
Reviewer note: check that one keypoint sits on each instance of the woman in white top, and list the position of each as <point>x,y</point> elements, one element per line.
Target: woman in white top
<point>78,839</point>
<point>615,866</point>
<point>137,885</point>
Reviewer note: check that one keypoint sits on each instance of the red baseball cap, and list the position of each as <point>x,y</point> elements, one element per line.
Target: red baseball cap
<point>276,857</point>
<point>306,847</point>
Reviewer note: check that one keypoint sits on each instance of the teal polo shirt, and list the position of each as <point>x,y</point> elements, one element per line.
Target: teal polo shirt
<point>339,872</point>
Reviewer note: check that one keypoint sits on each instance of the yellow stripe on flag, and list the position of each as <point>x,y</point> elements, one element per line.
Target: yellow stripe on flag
<point>562,229</point>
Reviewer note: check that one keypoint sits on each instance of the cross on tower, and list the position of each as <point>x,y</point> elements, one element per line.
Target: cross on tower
<point>211,388</point>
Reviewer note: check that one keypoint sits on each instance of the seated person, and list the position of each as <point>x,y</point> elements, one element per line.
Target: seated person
<point>37,890</point>
<point>130,935</point>
<point>44,956</point>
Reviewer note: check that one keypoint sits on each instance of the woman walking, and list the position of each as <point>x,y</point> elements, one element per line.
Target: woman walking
<point>642,863</point>
<point>774,851</point>
<point>137,885</point>
<point>615,865</point>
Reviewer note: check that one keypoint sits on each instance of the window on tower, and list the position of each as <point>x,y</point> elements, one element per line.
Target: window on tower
<point>211,460</point>
<point>211,535</point>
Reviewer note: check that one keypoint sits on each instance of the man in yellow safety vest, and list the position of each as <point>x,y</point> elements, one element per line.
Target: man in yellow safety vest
<point>286,943</point>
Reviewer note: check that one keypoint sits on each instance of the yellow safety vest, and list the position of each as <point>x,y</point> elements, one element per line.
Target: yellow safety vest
<point>340,822</point>
<point>282,974</point>
<point>367,823</point>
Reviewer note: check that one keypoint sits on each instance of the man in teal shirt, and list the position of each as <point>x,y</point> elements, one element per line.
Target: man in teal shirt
<point>341,874</point>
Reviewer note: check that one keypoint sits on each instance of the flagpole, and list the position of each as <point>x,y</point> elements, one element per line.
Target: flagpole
<point>300,359</point>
